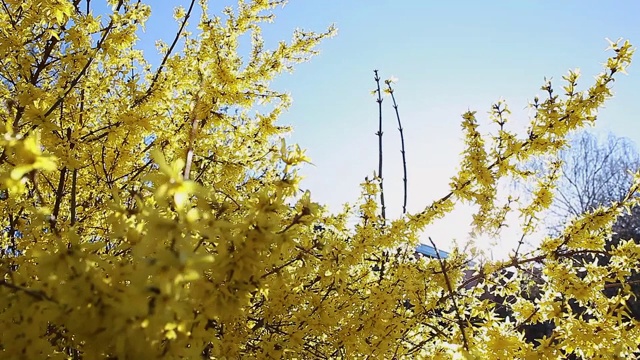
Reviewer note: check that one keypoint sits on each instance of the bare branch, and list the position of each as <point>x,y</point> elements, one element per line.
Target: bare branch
<point>404,158</point>
<point>379,134</point>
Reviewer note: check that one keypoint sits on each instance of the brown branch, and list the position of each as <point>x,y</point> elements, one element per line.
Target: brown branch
<point>82,72</point>
<point>443,264</point>
<point>13,223</point>
<point>276,269</point>
<point>525,321</point>
<point>294,221</point>
<point>59,195</point>
<point>133,174</point>
<point>74,177</point>
<point>51,43</point>
<point>85,137</point>
<point>404,159</point>
<point>33,80</point>
<point>379,134</point>
<point>11,19</point>
<point>324,297</point>
<point>37,294</point>
<point>166,56</point>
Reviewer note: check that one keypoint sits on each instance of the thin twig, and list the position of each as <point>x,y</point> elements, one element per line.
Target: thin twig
<point>404,158</point>
<point>451,293</point>
<point>83,71</point>
<point>33,79</point>
<point>59,195</point>
<point>74,177</point>
<point>379,134</point>
<point>166,56</point>
<point>74,174</point>
<point>37,294</point>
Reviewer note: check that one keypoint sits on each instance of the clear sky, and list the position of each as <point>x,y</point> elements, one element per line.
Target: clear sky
<point>449,56</point>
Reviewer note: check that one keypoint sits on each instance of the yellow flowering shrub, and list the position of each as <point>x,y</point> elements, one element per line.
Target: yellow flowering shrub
<point>144,217</point>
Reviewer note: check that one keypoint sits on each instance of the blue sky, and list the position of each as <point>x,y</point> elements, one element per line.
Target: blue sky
<point>449,56</point>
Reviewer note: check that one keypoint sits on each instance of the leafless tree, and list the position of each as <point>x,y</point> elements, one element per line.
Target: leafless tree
<point>595,172</point>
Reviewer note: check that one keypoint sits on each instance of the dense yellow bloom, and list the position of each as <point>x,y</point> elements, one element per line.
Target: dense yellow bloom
<point>142,218</point>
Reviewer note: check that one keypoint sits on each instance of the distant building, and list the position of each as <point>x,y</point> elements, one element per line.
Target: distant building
<point>430,252</point>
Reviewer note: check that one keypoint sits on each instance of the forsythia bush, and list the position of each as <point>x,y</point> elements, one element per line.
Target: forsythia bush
<point>155,213</point>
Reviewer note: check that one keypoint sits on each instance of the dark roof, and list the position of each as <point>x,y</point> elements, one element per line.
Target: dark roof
<point>429,251</point>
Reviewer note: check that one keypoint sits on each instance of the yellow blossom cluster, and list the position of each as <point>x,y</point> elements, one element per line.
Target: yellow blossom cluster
<point>142,219</point>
